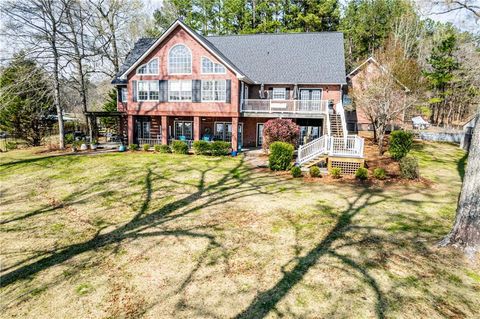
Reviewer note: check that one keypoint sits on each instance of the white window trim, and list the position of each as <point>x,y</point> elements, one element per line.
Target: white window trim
<point>316,88</point>
<point>284,94</point>
<point>209,101</point>
<point>180,121</point>
<point>191,59</point>
<point>179,101</point>
<point>124,94</point>
<point>214,63</point>
<point>146,64</point>
<point>147,100</point>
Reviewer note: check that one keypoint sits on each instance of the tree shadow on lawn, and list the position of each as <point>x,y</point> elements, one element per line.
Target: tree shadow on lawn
<point>239,182</point>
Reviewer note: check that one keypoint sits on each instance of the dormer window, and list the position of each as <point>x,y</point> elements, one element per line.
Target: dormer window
<point>209,67</point>
<point>179,60</point>
<point>150,68</point>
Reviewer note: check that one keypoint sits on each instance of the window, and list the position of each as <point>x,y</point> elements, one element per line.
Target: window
<point>183,128</point>
<point>214,90</point>
<point>180,90</point>
<point>279,94</point>
<point>209,67</point>
<point>123,94</point>
<point>147,90</point>
<point>149,68</point>
<point>179,60</point>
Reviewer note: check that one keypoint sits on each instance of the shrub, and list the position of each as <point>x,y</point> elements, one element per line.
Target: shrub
<point>361,173</point>
<point>409,167</point>
<point>296,171</point>
<point>146,147</point>
<point>400,144</point>
<point>69,138</point>
<point>281,154</point>
<point>201,147</point>
<point>220,148</point>
<point>156,148</point>
<point>179,147</point>
<point>336,172</point>
<point>165,149</point>
<point>280,130</point>
<point>314,171</point>
<point>133,147</point>
<point>11,145</point>
<point>379,173</point>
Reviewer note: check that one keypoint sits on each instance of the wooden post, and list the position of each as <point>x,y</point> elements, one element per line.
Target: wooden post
<point>165,130</point>
<point>235,133</point>
<point>130,129</point>
<point>196,128</point>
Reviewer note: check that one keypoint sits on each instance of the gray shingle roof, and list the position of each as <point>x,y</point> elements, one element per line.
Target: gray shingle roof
<point>286,57</point>
<point>139,48</point>
<point>272,58</point>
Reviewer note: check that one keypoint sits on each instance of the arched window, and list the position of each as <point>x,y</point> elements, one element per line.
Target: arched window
<point>149,68</point>
<point>179,60</point>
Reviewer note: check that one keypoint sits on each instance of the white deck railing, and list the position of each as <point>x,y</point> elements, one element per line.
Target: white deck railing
<point>150,141</point>
<point>350,146</point>
<point>285,106</point>
<point>339,110</point>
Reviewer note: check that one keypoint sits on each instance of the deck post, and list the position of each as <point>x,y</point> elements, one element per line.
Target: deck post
<point>235,133</point>
<point>196,128</point>
<point>164,130</point>
<point>130,129</point>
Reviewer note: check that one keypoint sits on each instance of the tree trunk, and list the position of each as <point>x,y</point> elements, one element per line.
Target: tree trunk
<point>466,230</point>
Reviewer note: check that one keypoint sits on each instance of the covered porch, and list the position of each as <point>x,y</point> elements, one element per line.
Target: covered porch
<point>156,130</point>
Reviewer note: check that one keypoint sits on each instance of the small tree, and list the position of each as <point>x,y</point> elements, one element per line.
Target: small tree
<point>280,130</point>
<point>25,100</point>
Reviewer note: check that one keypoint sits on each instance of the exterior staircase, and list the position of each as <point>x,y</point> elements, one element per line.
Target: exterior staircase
<point>336,143</point>
<point>336,126</point>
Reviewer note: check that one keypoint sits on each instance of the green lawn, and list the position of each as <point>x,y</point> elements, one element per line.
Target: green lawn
<point>125,235</point>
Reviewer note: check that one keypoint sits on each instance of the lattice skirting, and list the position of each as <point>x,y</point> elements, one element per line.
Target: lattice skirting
<point>348,165</point>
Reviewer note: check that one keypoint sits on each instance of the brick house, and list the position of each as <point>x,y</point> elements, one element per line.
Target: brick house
<point>187,86</point>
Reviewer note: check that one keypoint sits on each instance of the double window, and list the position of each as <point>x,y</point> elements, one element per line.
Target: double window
<point>209,67</point>
<point>180,90</point>
<point>179,60</point>
<point>214,90</point>
<point>149,68</point>
<point>147,90</point>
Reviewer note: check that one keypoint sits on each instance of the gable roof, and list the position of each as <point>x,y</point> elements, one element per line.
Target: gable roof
<point>283,58</point>
<point>380,66</point>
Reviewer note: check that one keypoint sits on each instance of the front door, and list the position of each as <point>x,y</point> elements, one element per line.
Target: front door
<point>259,134</point>
<point>142,128</point>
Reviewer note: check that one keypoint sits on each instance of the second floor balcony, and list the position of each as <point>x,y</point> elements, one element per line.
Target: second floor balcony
<point>290,107</point>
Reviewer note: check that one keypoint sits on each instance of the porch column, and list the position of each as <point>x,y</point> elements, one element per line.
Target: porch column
<point>165,130</point>
<point>130,129</point>
<point>235,133</point>
<point>196,128</point>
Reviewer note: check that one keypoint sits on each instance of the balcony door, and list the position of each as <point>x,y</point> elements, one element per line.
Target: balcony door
<point>310,99</point>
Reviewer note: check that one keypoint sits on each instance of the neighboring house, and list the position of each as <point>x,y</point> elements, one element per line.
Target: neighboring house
<point>357,120</point>
<point>187,86</point>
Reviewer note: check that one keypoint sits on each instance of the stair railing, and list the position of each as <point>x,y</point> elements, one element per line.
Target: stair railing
<point>312,149</point>
<point>340,110</point>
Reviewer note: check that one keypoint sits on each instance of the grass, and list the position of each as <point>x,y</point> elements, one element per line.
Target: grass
<point>162,235</point>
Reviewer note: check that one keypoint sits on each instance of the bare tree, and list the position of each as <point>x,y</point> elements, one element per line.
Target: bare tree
<point>466,230</point>
<point>36,25</point>
<point>447,6</point>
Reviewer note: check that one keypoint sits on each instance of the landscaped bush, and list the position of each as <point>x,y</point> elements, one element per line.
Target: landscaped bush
<point>156,148</point>
<point>296,171</point>
<point>400,144</point>
<point>165,149</point>
<point>314,171</point>
<point>133,147</point>
<point>179,147</point>
<point>336,172</point>
<point>361,173</point>
<point>379,173</point>
<point>146,147</point>
<point>201,147</point>
<point>281,154</point>
<point>220,148</point>
<point>280,130</point>
<point>409,167</point>
<point>69,138</point>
